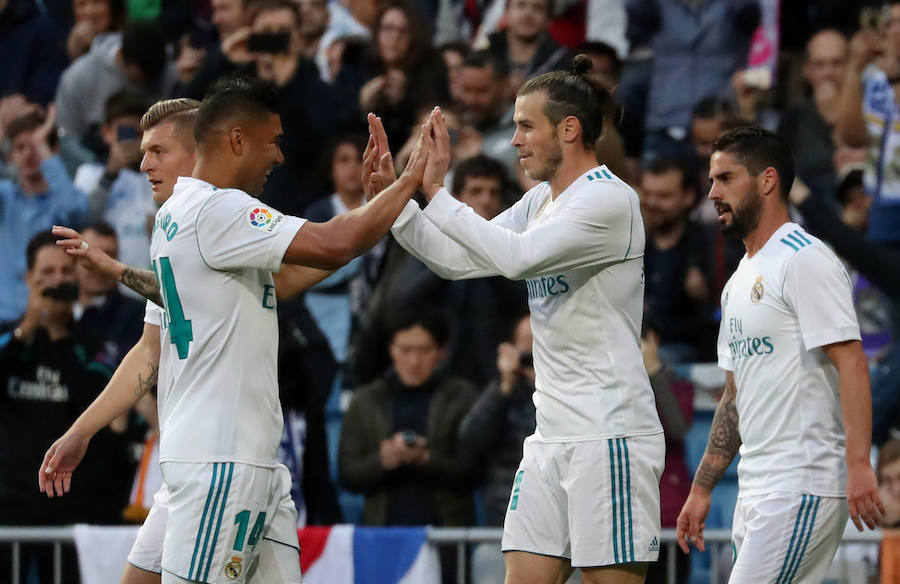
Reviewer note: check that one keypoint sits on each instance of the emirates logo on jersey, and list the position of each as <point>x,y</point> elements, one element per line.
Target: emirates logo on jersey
<point>756,293</point>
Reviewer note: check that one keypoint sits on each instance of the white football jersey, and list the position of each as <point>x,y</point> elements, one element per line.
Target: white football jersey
<point>582,259</point>
<point>214,251</point>
<point>778,310</point>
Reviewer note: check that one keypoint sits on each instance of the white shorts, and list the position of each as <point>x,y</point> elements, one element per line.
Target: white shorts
<point>594,502</point>
<point>785,537</point>
<point>208,521</point>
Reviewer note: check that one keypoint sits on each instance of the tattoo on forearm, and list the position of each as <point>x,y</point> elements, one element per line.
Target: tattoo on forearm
<point>144,283</point>
<point>724,441</point>
<point>146,382</point>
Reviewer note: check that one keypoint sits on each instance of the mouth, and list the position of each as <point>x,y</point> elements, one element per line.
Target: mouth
<point>523,156</point>
<point>155,184</point>
<point>724,211</point>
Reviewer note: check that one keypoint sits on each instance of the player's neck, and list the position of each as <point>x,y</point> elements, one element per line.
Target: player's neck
<point>573,165</point>
<point>769,223</point>
<point>218,175</point>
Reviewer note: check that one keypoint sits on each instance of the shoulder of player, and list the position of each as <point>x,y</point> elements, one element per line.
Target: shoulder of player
<point>605,195</point>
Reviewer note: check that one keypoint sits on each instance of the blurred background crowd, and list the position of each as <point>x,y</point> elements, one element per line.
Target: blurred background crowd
<point>406,397</point>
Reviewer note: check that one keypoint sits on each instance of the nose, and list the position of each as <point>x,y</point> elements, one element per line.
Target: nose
<point>714,193</point>
<point>145,162</point>
<point>517,139</point>
<point>279,158</point>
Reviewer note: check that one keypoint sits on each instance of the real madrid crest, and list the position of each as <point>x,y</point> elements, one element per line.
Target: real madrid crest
<point>234,568</point>
<point>756,293</point>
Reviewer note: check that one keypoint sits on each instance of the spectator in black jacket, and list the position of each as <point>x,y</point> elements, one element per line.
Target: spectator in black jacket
<point>35,52</point>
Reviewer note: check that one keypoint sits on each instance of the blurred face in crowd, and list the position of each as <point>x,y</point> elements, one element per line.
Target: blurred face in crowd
<point>483,194</point>
<point>24,155</point>
<point>94,283</point>
<point>523,341</point>
<point>227,16</point>
<point>96,12</point>
<point>393,37</point>
<point>168,154</point>
<point>527,19</point>
<point>346,169</point>
<point>735,195</point>
<point>313,17</point>
<point>704,132</point>
<point>826,56</point>
<point>889,479</point>
<point>480,94</point>
<point>664,200</point>
<point>279,20</point>
<point>415,354</point>
<point>893,29</point>
<point>536,139</point>
<point>453,60</point>
<point>52,267</point>
<point>855,211</point>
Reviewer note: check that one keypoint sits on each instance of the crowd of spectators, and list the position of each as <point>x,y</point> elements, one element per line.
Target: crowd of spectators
<point>433,378</point>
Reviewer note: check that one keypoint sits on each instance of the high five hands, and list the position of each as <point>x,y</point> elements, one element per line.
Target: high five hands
<point>428,163</point>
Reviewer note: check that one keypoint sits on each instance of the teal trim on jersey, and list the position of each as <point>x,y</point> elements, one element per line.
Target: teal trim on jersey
<point>212,514</point>
<point>612,482</point>
<point>809,531</point>
<point>788,243</point>
<point>797,239</point>
<point>212,547</point>
<point>788,555</point>
<point>606,174</point>
<point>212,483</point>
<point>630,230</point>
<point>197,233</point>
<point>628,490</point>
<point>621,518</point>
<point>799,234</point>
<point>590,178</point>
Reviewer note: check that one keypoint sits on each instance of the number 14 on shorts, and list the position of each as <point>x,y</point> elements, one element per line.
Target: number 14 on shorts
<point>242,520</point>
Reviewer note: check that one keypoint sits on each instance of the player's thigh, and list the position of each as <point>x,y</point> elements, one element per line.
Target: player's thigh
<point>218,514</point>
<point>633,573</point>
<point>788,537</point>
<point>529,568</point>
<point>145,556</point>
<point>277,564</point>
<point>613,494</point>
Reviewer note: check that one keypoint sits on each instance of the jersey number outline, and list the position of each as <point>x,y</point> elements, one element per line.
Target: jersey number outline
<point>181,333</point>
<point>242,520</point>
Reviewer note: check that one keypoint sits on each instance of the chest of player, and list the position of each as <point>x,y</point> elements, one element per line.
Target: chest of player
<point>756,319</point>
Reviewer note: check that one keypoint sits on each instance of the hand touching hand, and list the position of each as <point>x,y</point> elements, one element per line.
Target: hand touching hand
<point>378,164</point>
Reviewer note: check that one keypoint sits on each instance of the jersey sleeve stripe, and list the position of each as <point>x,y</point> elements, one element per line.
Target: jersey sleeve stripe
<point>212,483</point>
<point>790,550</point>
<point>212,514</point>
<point>612,482</point>
<point>803,237</point>
<point>796,239</point>
<point>791,245</point>
<point>212,548</point>
<point>628,490</point>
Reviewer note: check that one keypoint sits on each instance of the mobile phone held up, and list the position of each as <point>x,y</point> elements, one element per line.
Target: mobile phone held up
<point>269,42</point>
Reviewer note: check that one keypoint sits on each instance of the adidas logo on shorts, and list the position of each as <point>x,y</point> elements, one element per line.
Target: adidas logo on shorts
<point>654,545</point>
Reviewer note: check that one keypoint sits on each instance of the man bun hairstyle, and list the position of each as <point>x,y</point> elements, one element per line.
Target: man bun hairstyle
<point>231,98</point>
<point>578,92</point>
<point>758,149</point>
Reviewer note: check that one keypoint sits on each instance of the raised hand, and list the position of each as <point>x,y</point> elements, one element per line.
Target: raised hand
<point>61,459</point>
<point>90,257</point>
<point>378,163</point>
<point>439,156</point>
<point>418,158</point>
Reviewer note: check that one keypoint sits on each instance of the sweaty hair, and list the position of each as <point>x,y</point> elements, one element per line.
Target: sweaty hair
<point>232,98</point>
<point>432,321</point>
<point>478,166</point>
<point>586,96</point>
<point>41,239</point>
<point>28,122</point>
<point>124,103</point>
<point>758,149</point>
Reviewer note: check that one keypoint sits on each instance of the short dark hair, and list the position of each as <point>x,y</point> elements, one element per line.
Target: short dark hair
<point>758,149</point>
<point>29,122</point>
<point>586,96</point>
<point>233,97</point>
<point>101,228</point>
<point>853,179</point>
<point>457,47</point>
<point>260,6</point>
<point>478,166</point>
<point>663,164</point>
<point>144,45</point>
<point>124,103</point>
<point>38,241</point>
<point>712,107</point>
<point>325,164</point>
<point>485,58</point>
<point>429,319</point>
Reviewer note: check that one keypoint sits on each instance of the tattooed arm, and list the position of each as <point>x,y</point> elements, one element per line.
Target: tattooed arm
<point>133,378</point>
<point>143,282</point>
<point>724,442</point>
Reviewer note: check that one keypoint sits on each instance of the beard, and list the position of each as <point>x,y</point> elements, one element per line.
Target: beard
<point>745,218</point>
<point>551,166</point>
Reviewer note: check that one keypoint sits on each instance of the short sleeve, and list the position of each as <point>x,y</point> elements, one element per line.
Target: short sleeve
<point>153,314</point>
<point>236,231</point>
<point>818,288</point>
<point>723,349</point>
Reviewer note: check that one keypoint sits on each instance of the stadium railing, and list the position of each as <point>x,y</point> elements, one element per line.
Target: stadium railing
<point>461,538</point>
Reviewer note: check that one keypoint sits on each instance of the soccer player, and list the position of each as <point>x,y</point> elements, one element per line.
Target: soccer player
<point>586,493</point>
<point>796,400</point>
<point>229,513</point>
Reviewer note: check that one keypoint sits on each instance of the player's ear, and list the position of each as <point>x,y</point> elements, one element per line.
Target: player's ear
<point>237,140</point>
<point>569,129</point>
<point>769,181</point>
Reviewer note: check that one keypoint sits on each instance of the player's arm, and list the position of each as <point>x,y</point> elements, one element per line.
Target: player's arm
<point>292,280</point>
<point>143,282</point>
<point>330,245</point>
<point>721,448</point>
<point>133,378</point>
<point>856,404</point>
<point>850,123</point>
